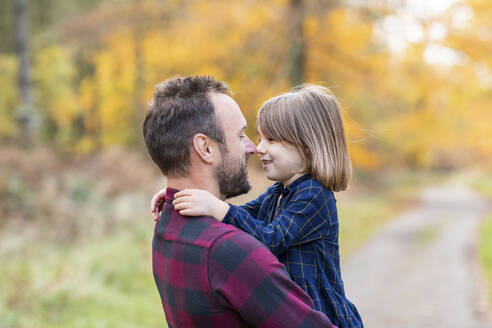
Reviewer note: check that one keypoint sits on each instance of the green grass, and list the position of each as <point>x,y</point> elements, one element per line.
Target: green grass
<point>483,184</point>
<point>364,212</point>
<point>107,281</point>
<point>104,282</point>
<point>360,219</point>
<point>485,251</point>
<point>428,234</point>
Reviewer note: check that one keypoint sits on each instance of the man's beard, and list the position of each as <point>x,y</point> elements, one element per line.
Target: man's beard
<point>232,176</point>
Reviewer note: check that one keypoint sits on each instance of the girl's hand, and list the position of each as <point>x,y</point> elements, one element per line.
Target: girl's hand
<point>197,202</point>
<point>156,204</point>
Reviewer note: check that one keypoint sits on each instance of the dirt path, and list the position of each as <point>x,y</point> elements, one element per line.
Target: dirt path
<point>422,270</point>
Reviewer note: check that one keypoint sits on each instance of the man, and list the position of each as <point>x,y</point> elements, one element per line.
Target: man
<point>210,274</point>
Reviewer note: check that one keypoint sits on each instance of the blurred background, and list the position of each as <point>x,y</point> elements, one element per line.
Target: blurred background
<point>414,79</point>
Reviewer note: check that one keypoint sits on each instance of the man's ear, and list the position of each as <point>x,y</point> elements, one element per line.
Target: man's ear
<point>204,147</point>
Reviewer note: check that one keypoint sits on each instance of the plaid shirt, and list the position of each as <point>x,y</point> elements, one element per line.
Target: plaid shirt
<point>213,275</point>
<point>302,230</point>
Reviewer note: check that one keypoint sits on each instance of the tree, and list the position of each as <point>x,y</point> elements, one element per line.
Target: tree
<point>296,58</point>
<point>26,108</point>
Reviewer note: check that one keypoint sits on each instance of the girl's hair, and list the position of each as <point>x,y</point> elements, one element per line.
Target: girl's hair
<point>309,118</point>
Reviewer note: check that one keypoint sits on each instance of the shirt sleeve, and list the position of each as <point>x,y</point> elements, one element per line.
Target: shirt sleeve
<point>251,207</point>
<point>305,217</point>
<point>246,277</point>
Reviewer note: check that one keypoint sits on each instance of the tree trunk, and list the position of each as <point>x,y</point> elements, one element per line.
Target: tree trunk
<point>25,109</point>
<point>296,58</point>
<point>138,90</point>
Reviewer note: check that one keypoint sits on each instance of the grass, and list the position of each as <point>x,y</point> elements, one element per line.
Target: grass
<point>485,251</point>
<point>105,282</point>
<point>89,264</point>
<point>360,219</point>
<point>375,202</point>
<point>75,240</point>
<point>483,184</point>
<point>428,235</point>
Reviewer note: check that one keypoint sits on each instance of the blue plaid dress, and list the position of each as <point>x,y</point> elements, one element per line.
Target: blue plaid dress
<point>303,232</point>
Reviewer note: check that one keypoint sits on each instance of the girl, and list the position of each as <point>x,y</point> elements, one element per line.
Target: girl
<point>302,147</point>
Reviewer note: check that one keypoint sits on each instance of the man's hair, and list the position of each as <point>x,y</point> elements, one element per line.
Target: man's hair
<point>309,118</point>
<point>181,108</point>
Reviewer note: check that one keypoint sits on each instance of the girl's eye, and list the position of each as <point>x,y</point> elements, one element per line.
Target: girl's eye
<point>269,140</point>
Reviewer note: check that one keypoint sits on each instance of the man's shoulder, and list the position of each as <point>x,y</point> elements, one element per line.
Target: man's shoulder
<point>236,245</point>
<point>199,231</point>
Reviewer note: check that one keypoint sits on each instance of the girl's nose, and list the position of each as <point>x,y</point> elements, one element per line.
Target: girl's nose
<point>260,149</point>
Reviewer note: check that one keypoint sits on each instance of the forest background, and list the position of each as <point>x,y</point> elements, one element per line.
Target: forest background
<point>414,80</point>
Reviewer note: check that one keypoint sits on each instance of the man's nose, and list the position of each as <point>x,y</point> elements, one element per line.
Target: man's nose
<point>250,147</point>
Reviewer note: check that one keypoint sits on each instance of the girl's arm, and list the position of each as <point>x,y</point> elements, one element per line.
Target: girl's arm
<point>191,202</point>
<point>305,218</point>
<point>253,206</point>
<point>196,202</point>
<point>156,204</point>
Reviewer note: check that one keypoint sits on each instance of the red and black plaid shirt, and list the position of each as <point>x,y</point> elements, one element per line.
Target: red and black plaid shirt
<point>210,274</point>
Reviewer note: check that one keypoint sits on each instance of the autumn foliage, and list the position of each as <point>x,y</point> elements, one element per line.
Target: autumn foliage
<point>92,77</point>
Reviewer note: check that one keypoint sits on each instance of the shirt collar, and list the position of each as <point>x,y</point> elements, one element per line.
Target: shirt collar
<point>170,194</point>
<point>288,189</point>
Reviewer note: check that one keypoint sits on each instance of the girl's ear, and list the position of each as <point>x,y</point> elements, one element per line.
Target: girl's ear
<point>204,147</point>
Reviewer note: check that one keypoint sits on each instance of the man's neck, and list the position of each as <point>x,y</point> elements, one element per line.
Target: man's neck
<point>194,182</point>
